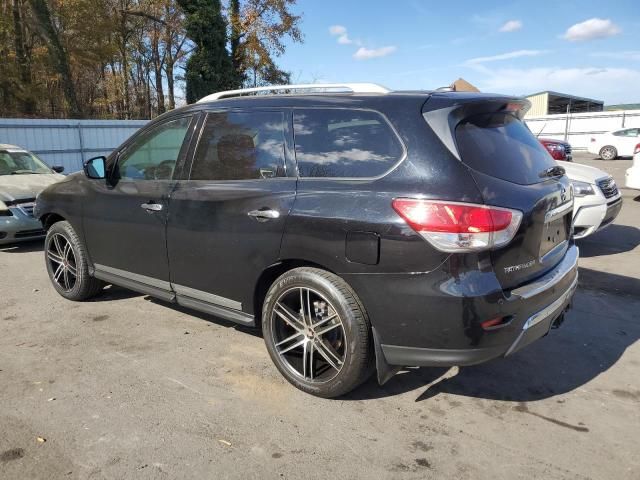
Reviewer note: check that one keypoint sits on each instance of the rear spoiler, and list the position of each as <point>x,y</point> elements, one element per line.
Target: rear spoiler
<point>443,112</point>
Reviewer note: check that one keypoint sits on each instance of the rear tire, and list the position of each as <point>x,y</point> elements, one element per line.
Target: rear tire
<point>67,264</point>
<point>327,349</point>
<point>608,152</point>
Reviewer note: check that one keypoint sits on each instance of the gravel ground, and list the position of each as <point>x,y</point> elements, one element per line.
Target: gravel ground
<point>129,387</point>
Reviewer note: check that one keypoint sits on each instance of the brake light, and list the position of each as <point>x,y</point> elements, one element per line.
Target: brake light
<point>637,150</point>
<point>459,227</point>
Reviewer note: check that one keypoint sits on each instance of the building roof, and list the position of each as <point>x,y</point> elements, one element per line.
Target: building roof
<point>566,95</point>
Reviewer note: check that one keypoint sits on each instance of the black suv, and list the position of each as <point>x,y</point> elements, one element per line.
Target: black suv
<point>363,230</point>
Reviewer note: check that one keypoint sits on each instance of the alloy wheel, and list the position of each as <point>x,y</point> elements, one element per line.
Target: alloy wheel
<point>608,153</point>
<point>308,335</point>
<point>62,261</point>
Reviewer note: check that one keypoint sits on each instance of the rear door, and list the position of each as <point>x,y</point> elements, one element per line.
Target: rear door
<point>512,169</point>
<point>226,221</point>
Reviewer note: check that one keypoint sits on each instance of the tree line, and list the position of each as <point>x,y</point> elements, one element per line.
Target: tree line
<point>132,59</point>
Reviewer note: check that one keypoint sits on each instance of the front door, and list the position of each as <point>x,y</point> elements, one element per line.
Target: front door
<point>226,221</point>
<point>125,219</point>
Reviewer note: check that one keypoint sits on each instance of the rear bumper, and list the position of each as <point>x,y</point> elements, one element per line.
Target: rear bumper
<point>593,148</point>
<point>19,227</point>
<point>444,330</point>
<point>632,177</point>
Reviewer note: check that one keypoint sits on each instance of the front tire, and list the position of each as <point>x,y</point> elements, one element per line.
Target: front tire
<point>317,332</point>
<point>608,153</point>
<point>67,264</point>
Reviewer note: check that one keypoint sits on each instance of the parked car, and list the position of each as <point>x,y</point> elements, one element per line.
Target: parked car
<point>597,199</point>
<point>558,149</point>
<point>364,231</point>
<point>611,145</point>
<point>22,177</point>
<point>632,175</point>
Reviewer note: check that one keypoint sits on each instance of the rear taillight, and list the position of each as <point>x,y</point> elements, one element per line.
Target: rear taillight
<point>459,227</point>
<point>637,149</point>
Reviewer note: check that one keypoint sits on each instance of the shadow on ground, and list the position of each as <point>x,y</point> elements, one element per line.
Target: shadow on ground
<point>596,333</point>
<point>611,240</point>
<point>608,282</point>
<point>23,247</point>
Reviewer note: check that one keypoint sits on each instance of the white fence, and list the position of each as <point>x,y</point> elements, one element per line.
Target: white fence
<point>578,128</point>
<point>67,142</point>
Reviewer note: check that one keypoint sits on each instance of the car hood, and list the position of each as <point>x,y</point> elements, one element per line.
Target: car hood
<point>18,187</point>
<point>582,173</point>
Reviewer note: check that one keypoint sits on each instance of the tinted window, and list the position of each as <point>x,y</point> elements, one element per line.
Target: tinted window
<point>500,145</point>
<point>240,146</point>
<point>344,143</point>
<point>154,155</point>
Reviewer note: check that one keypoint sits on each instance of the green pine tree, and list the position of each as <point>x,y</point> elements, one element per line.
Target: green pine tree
<point>210,68</point>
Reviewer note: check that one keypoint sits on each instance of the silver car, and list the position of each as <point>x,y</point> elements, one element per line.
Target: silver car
<point>22,177</point>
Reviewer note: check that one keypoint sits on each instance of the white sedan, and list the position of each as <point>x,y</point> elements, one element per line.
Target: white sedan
<point>597,200</point>
<point>619,143</point>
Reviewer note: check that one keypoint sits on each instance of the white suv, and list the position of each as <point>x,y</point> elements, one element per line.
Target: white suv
<point>619,143</point>
<point>597,199</point>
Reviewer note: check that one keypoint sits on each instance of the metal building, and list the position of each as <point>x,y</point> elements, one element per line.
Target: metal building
<point>67,142</point>
<point>548,103</point>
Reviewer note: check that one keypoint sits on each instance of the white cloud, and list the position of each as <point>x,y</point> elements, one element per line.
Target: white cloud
<point>367,53</point>
<point>362,53</point>
<point>511,26</point>
<point>626,55</point>
<point>591,29</point>
<point>506,56</point>
<point>613,85</point>
<point>340,31</point>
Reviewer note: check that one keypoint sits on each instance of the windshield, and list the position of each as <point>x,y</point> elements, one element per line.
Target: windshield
<point>19,162</point>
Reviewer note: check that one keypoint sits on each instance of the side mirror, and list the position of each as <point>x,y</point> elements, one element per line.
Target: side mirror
<point>95,168</point>
<point>58,169</point>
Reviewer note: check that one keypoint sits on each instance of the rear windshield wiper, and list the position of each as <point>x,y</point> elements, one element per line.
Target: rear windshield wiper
<point>556,171</point>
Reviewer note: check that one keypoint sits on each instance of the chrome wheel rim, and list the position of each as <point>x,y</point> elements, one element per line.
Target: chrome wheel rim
<point>308,335</point>
<point>62,262</point>
<point>607,153</point>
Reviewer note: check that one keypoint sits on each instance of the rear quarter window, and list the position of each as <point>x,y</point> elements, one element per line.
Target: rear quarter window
<point>342,143</point>
<point>500,145</point>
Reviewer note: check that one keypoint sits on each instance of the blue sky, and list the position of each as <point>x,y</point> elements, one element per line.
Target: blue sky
<point>588,48</point>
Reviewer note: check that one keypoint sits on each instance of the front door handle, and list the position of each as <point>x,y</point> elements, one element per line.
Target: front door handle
<point>264,215</point>
<point>152,207</point>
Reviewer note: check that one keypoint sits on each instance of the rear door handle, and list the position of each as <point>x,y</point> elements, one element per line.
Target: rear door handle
<point>264,215</point>
<point>152,207</point>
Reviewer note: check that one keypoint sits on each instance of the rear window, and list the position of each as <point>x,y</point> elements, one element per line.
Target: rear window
<point>342,143</point>
<point>500,145</point>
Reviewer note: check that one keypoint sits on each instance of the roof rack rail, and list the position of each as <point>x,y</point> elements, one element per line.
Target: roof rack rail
<point>348,87</point>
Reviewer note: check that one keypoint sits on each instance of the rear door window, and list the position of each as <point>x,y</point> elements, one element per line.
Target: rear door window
<point>342,143</point>
<point>240,146</point>
<point>500,145</point>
